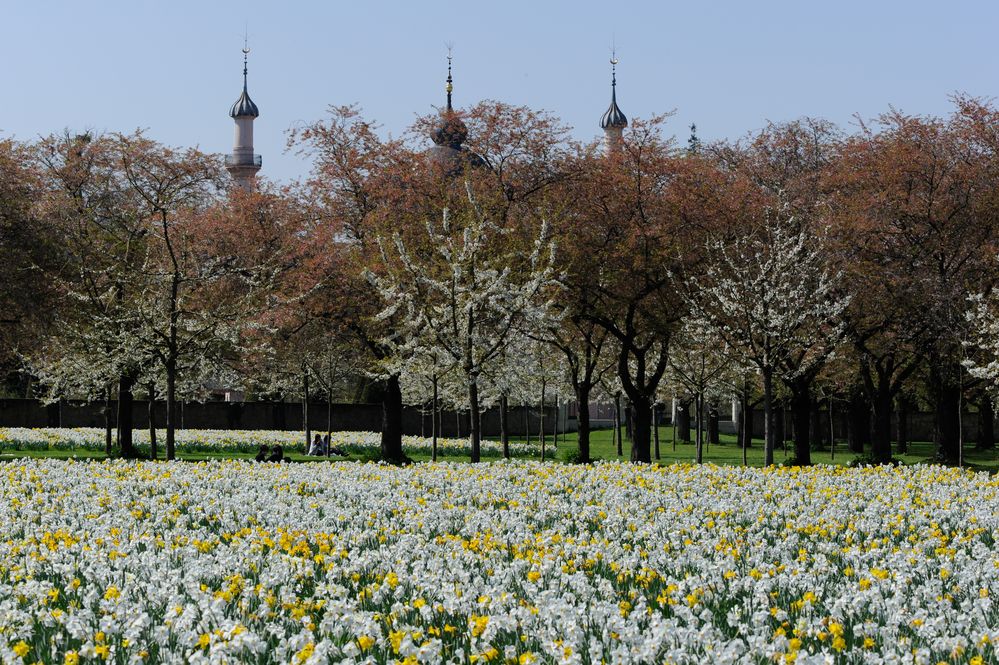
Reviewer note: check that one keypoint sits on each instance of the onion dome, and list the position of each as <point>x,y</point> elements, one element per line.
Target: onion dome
<point>244,106</point>
<point>613,117</point>
<point>448,135</point>
<point>451,132</point>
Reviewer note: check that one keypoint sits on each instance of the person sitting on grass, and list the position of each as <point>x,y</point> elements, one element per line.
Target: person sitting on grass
<point>316,449</point>
<point>277,454</point>
<point>261,454</point>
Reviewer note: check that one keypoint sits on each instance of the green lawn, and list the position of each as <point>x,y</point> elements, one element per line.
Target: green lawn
<point>727,452</point>
<point>602,448</point>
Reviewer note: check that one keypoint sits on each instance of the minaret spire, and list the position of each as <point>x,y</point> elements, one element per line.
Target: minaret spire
<point>613,62</point>
<point>243,164</point>
<point>449,132</point>
<point>246,52</point>
<point>450,81</point>
<point>613,120</point>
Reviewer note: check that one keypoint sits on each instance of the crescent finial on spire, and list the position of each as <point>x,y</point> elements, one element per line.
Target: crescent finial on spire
<point>614,117</point>
<point>246,52</point>
<point>244,106</point>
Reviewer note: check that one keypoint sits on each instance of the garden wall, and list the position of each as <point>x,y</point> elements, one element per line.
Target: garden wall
<point>264,415</point>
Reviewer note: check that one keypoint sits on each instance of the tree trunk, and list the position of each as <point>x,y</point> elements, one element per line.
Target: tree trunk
<point>434,424</point>
<point>558,413</point>
<point>816,431</point>
<point>986,423</point>
<point>801,408</point>
<point>655,428</point>
<point>542,425</point>
<point>153,453</point>
<point>392,421</point>
<point>768,417</point>
<point>780,428</point>
<point>641,447</point>
<point>125,445</point>
<point>832,430</point>
<point>108,443</point>
<point>902,415</point>
<point>683,421</point>
<point>699,418</point>
<point>746,425</point>
<point>329,417</point>
<point>171,408</point>
<point>473,419</point>
<point>858,422</point>
<point>617,423</point>
<point>583,433</point>
<point>527,423</point>
<point>883,407</point>
<point>673,418</point>
<point>714,436</point>
<point>305,408</point>
<point>504,430</point>
<point>628,421</point>
<point>946,393</point>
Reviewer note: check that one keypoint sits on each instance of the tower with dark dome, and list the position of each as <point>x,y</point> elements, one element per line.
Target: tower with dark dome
<point>243,164</point>
<point>449,135</point>
<point>613,120</point>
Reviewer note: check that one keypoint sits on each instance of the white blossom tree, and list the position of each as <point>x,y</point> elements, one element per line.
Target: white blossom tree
<point>467,297</point>
<point>699,363</point>
<point>774,300</point>
<point>983,337</point>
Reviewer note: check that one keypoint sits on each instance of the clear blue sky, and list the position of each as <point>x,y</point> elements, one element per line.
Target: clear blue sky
<point>174,66</point>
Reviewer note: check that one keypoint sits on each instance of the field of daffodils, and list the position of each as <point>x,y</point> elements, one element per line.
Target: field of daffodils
<point>505,562</point>
<point>240,441</point>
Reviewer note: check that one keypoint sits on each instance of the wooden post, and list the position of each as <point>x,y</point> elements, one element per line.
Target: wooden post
<point>305,407</point>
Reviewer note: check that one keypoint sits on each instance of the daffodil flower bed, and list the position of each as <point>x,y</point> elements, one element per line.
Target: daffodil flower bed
<point>241,441</point>
<point>505,562</point>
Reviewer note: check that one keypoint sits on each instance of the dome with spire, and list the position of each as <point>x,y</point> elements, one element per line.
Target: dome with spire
<point>449,134</point>
<point>613,117</point>
<point>244,106</point>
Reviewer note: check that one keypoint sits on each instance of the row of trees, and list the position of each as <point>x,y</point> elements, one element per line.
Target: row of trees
<point>511,262</point>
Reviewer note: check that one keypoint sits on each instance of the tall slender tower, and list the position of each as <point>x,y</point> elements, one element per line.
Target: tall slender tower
<point>613,120</point>
<point>449,134</point>
<point>242,163</point>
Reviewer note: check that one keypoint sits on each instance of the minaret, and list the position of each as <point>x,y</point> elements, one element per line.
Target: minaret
<point>449,134</point>
<point>613,121</point>
<point>450,83</point>
<point>242,163</point>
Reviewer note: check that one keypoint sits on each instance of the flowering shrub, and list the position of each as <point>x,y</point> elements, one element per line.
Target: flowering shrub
<point>239,441</point>
<point>508,562</point>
